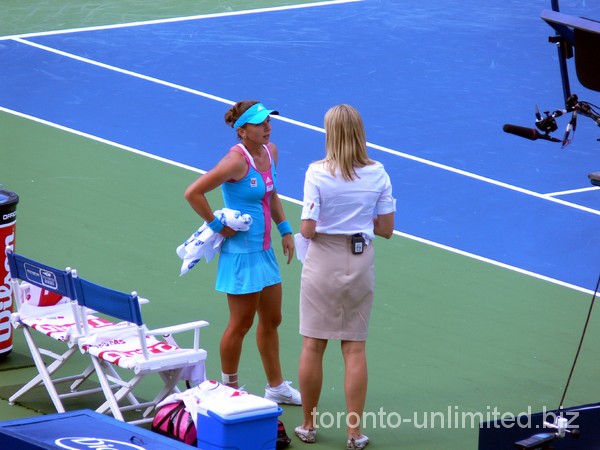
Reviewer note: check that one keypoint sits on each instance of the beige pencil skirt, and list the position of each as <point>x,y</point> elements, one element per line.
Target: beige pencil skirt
<point>336,290</point>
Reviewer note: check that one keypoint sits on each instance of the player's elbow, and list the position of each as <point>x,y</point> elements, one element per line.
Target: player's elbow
<point>188,194</point>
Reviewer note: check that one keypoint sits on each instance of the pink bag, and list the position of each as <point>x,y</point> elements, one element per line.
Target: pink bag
<point>174,421</point>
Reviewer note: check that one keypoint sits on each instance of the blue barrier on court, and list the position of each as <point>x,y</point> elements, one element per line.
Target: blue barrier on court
<point>80,430</point>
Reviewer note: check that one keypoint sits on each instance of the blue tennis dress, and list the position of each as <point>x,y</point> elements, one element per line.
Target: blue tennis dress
<point>247,262</point>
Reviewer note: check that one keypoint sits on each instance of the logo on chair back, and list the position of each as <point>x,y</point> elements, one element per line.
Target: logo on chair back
<point>41,276</point>
<point>88,443</point>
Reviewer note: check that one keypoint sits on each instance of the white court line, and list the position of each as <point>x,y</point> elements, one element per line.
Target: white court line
<point>179,19</point>
<point>293,200</point>
<point>573,191</point>
<point>311,127</point>
<point>99,139</point>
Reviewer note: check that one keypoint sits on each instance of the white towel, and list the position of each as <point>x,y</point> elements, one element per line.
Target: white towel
<point>205,243</point>
<point>301,244</point>
<point>207,390</point>
<point>224,400</point>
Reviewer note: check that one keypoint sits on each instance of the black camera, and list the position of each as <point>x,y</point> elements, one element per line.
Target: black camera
<point>358,244</point>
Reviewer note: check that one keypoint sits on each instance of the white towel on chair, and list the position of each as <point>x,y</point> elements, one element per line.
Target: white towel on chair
<point>205,243</point>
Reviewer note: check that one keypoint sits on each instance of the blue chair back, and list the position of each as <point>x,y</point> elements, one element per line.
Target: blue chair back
<point>41,275</point>
<point>108,301</point>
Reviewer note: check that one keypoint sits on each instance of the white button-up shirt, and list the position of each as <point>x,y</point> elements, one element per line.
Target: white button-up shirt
<point>347,207</point>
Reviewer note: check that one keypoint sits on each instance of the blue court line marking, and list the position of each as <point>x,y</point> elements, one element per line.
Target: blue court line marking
<point>445,167</point>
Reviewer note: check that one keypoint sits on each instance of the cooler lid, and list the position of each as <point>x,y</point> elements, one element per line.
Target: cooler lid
<point>235,406</point>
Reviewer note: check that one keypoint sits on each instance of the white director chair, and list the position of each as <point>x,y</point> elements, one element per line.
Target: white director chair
<point>130,348</point>
<point>45,305</point>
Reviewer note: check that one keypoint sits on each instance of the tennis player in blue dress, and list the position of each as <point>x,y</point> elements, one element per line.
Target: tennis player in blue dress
<point>248,271</point>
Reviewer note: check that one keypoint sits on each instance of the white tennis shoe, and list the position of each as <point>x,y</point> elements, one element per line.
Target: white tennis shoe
<point>284,393</point>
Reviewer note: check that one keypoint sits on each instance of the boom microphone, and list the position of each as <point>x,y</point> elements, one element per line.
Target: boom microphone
<point>528,133</point>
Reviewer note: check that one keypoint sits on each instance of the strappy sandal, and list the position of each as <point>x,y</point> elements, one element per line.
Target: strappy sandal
<point>357,443</point>
<point>306,435</point>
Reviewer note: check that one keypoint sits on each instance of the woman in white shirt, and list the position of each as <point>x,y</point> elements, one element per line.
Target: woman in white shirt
<point>347,201</point>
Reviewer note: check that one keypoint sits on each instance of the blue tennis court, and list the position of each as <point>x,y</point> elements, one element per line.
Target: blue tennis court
<point>435,84</point>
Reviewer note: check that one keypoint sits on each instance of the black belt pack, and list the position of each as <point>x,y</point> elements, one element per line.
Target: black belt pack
<point>357,244</point>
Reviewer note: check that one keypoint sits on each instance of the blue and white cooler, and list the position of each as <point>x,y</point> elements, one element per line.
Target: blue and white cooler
<point>239,421</point>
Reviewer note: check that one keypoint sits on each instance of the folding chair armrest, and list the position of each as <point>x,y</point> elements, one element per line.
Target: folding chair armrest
<point>111,331</point>
<point>178,328</point>
<point>15,319</point>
